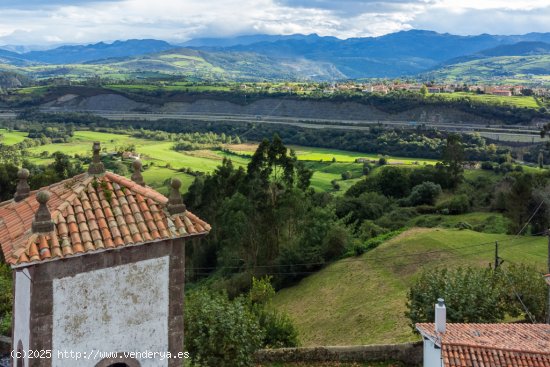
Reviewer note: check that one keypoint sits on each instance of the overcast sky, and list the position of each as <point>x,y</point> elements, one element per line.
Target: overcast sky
<point>38,22</point>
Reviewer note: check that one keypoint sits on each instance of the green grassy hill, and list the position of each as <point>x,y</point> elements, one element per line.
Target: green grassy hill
<point>361,300</point>
<point>193,64</point>
<point>507,69</point>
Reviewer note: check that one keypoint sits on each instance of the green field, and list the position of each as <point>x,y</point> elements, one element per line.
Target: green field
<point>361,300</point>
<point>517,101</point>
<point>11,137</point>
<point>162,162</point>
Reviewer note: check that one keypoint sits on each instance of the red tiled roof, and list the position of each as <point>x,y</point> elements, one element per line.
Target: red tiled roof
<point>91,213</point>
<point>495,345</point>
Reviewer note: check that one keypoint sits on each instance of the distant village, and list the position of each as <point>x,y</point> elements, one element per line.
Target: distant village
<point>385,88</point>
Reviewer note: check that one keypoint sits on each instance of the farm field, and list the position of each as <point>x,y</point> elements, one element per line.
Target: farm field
<point>11,137</point>
<point>361,300</point>
<point>162,162</point>
<point>517,101</point>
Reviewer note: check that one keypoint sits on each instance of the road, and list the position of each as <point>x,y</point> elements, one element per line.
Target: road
<point>522,131</point>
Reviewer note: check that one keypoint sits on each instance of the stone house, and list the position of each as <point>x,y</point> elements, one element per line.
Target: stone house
<point>99,264</point>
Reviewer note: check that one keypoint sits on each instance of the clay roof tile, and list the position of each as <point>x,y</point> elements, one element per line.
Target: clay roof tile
<point>88,216</point>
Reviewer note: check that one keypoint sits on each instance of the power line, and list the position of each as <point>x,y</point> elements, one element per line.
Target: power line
<point>376,259</point>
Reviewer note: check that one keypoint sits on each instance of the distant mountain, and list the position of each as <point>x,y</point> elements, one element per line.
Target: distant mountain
<point>12,58</point>
<point>193,65</point>
<point>392,55</point>
<point>241,40</point>
<point>98,51</point>
<point>303,57</point>
<point>516,49</point>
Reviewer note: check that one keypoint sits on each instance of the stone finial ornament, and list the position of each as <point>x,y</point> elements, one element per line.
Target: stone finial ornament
<point>43,219</point>
<point>96,167</point>
<point>175,201</point>
<point>23,188</point>
<point>136,176</point>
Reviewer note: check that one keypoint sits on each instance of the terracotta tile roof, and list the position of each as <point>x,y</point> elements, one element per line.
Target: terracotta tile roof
<point>495,345</point>
<point>91,213</point>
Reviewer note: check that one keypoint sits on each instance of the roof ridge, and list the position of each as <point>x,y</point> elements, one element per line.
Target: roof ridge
<point>142,190</point>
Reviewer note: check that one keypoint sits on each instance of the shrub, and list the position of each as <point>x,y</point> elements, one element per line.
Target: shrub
<point>471,295</point>
<point>463,225</point>
<point>382,161</point>
<point>488,166</point>
<point>424,194</point>
<point>397,218</point>
<point>220,332</point>
<point>347,175</point>
<point>459,204</point>
<point>6,299</point>
<point>279,332</point>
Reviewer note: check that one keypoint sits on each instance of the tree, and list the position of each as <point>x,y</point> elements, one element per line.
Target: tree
<point>453,158</point>
<point>424,90</point>
<point>425,193</point>
<point>393,182</point>
<point>347,175</point>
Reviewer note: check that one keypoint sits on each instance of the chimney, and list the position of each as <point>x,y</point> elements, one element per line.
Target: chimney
<point>42,222</point>
<point>136,176</point>
<point>23,188</point>
<point>440,316</point>
<point>175,202</point>
<point>96,167</point>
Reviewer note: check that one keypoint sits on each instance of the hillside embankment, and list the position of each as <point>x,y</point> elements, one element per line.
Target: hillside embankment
<point>275,107</point>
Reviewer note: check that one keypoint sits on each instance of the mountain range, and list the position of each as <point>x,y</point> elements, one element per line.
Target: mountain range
<point>406,53</point>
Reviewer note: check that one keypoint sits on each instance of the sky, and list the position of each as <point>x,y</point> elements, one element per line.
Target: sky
<point>49,22</point>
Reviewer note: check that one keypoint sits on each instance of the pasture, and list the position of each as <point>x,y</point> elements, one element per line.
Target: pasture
<point>11,137</point>
<point>361,300</point>
<point>161,162</point>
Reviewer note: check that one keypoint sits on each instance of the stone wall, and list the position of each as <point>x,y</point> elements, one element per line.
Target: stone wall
<point>408,353</point>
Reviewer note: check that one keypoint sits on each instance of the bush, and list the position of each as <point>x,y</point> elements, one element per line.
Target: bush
<point>220,332</point>
<point>488,166</point>
<point>6,299</point>
<point>424,194</point>
<point>347,175</point>
<point>397,218</point>
<point>528,283</point>
<point>471,295</point>
<point>279,332</point>
<point>459,204</point>
<point>463,225</point>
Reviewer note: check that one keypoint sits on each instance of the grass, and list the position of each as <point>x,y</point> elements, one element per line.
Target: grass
<point>11,137</point>
<point>362,300</point>
<point>480,221</point>
<point>517,101</point>
<point>330,155</point>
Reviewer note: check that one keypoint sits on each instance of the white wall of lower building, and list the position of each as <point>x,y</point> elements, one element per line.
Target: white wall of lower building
<point>22,312</point>
<point>118,309</point>
<point>432,354</point>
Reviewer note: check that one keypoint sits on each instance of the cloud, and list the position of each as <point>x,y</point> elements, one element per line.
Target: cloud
<point>41,4</point>
<point>496,17</point>
<point>85,21</point>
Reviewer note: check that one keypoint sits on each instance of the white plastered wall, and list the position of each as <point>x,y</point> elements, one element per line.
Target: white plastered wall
<point>118,309</point>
